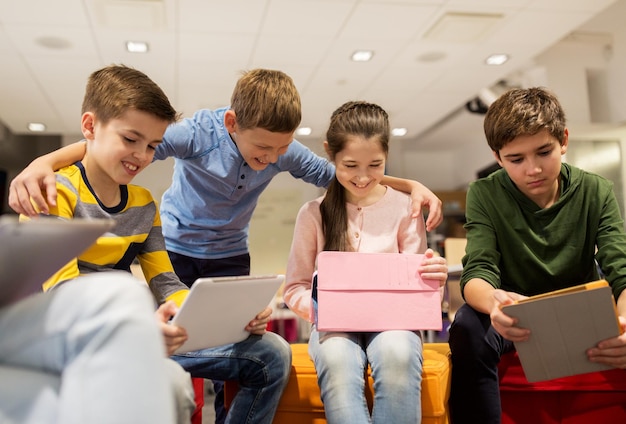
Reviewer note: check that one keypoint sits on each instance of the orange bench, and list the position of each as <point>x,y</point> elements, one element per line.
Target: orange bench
<point>301,402</point>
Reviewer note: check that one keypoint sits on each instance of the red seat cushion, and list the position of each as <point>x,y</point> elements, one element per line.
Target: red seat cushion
<point>512,378</point>
<point>198,387</point>
<point>597,397</point>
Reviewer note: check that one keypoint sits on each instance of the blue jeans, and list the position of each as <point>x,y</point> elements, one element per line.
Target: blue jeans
<point>189,270</point>
<point>476,349</point>
<point>261,366</point>
<point>395,358</point>
<point>89,351</point>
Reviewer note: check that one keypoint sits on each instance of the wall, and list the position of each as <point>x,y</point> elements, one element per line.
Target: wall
<point>16,152</point>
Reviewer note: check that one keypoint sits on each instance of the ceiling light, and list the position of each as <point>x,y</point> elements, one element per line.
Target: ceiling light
<point>362,55</point>
<point>399,132</point>
<point>434,56</point>
<point>304,131</point>
<point>137,47</point>
<point>497,59</point>
<point>55,43</point>
<point>36,127</point>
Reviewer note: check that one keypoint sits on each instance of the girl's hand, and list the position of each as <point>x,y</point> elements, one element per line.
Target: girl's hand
<point>434,267</point>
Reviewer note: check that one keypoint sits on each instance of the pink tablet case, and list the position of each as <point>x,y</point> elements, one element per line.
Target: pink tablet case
<point>375,292</point>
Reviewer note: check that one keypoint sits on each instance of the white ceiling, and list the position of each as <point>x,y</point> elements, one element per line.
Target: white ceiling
<point>199,47</point>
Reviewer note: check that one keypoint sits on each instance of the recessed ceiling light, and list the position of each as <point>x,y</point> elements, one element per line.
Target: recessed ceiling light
<point>434,56</point>
<point>55,43</point>
<point>399,132</point>
<point>137,47</point>
<point>36,127</point>
<point>304,131</point>
<point>497,59</point>
<point>362,55</point>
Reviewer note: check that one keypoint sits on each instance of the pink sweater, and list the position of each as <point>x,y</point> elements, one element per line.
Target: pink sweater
<point>384,227</point>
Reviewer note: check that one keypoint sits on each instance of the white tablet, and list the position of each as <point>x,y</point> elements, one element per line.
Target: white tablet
<point>32,251</point>
<point>218,309</point>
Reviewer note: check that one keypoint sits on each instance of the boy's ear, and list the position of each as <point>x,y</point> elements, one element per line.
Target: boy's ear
<point>87,125</point>
<point>230,120</point>
<point>497,156</point>
<point>565,142</point>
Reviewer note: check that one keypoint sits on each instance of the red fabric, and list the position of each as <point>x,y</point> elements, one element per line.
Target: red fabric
<point>287,328</point>
<point>512,378</point>
<point>198,387</point>
<point>587,398</point>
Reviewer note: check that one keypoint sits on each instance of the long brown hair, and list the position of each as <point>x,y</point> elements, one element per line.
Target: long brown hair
<point>355,118</point>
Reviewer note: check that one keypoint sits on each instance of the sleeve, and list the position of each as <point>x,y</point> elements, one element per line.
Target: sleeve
<point>306,244</point>
<point>66,202</point>
<point>482,256</point>
<point>611,243</point>
<point>303,164</point>
<point>182,139</point>
<point>157,267</point>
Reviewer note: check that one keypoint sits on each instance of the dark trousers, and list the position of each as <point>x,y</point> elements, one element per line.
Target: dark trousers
<point>476,350</point>
<point>189,270</point>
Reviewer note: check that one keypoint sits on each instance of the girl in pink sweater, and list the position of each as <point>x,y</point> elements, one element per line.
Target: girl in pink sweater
<point>361,215</point>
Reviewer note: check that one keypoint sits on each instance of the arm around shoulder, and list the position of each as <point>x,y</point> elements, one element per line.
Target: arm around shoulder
<point>421,196</point>
<point>33,189</point>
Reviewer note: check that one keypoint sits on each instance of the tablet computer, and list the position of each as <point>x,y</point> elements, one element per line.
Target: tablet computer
<point>32,251</point>
<point>217,310</point>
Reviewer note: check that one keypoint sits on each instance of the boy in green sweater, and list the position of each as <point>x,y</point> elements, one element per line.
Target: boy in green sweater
<point>534,226</point>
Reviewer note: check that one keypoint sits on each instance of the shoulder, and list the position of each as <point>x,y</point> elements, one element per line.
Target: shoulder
<point>140,195</point>
<point>492,180</point>
<point>209,116</point>
<point>395,198</point>
<point>312,205</point>
<point>311,210</point>
<point>297,152</point>
<point>193,134</point>
<point>69,176</point>
<point>588,182</point>
<point>68,171</point>
<point>397,195</point>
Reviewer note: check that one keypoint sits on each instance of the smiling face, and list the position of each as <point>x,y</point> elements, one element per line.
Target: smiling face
<point>360,166</point>
<point>120,148</point>
<point>258,147</point>
<point>533,162</point>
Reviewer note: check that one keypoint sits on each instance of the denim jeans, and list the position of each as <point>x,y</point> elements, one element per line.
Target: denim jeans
<point>189,269</point>
<point>476,349</point>
<point>89,351</point>
<point>395,358</point>
<point>261,366</point>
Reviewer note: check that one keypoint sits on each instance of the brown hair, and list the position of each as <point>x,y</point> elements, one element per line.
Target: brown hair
<point>113,90</point>
<point>523,112</point>
<point>266,99</point>
<point>351,119</point>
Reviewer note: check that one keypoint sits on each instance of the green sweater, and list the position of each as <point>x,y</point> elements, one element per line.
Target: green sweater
<point>515,245</point>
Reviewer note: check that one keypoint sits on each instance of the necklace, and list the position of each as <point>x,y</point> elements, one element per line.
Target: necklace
<point>355,229</point>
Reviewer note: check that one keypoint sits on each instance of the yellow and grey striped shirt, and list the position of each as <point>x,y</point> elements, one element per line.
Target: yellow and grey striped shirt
<point>137,234</point>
